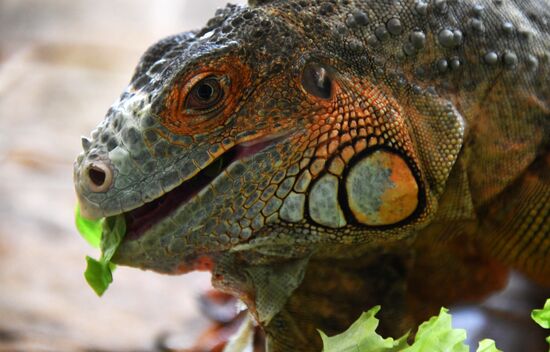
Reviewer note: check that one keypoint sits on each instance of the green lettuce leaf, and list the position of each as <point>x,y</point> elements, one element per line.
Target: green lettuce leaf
<point>107,234</point>
<point>89,229</point>
<point>542,317</point>
<point>98,274</point>
<point>114,230</point>
<point>487,345</point>
<point>437,334</point>
<point>362,336</point>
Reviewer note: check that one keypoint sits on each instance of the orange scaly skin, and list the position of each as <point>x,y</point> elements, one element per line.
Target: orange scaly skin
<point>322,157</point>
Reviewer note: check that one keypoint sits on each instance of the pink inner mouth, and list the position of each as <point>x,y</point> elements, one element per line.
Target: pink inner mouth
<point>141,219</point>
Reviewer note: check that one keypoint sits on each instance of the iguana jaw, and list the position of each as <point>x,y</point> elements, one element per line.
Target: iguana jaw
<point>143,218</point>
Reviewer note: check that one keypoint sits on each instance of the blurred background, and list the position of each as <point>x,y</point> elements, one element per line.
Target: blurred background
<point>62,64</point>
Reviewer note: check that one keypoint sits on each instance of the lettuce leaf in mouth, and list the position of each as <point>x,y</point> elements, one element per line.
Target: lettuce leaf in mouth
<point>107,234</point>
<point>90,230</point>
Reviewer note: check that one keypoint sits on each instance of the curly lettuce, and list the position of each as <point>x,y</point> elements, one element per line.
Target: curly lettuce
<point>435,335</point>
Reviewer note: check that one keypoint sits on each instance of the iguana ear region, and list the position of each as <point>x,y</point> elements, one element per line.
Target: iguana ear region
<point>203,98</point>
<point>317,81</point>
<point>381,189</point>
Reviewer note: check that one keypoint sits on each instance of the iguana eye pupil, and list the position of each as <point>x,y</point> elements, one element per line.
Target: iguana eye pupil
<point>205,91</point>
<point>316,80</point>
<point>205,94</point>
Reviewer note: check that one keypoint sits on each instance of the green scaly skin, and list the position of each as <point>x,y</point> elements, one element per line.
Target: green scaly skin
<point>354,153</point>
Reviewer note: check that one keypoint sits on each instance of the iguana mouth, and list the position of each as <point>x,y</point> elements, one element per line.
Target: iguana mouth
<point>140,220</point>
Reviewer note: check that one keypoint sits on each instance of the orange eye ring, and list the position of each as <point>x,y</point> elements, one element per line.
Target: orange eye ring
<point>204,99</point>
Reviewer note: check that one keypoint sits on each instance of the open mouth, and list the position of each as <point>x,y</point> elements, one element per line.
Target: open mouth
<point>141,219</point>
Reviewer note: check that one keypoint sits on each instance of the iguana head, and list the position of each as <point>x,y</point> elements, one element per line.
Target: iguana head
<point>272,131</point>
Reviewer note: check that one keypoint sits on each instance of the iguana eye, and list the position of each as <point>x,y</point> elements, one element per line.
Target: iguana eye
<point>204,98</point>
<point>205,94</point>
<point>316,80</point>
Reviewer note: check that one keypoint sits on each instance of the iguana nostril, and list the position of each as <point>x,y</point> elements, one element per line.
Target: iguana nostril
<point>99,177</point>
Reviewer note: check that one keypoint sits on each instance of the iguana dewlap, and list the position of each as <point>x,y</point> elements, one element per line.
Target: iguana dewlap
<point>320,157</point>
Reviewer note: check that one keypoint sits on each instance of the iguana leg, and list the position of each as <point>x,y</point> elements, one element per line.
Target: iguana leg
<point>516,225</point>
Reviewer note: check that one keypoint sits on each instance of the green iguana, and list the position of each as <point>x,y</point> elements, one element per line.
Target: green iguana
<point>321,157</point>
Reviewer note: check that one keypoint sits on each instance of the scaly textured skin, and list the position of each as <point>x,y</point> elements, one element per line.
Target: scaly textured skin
<point>358,153</point>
